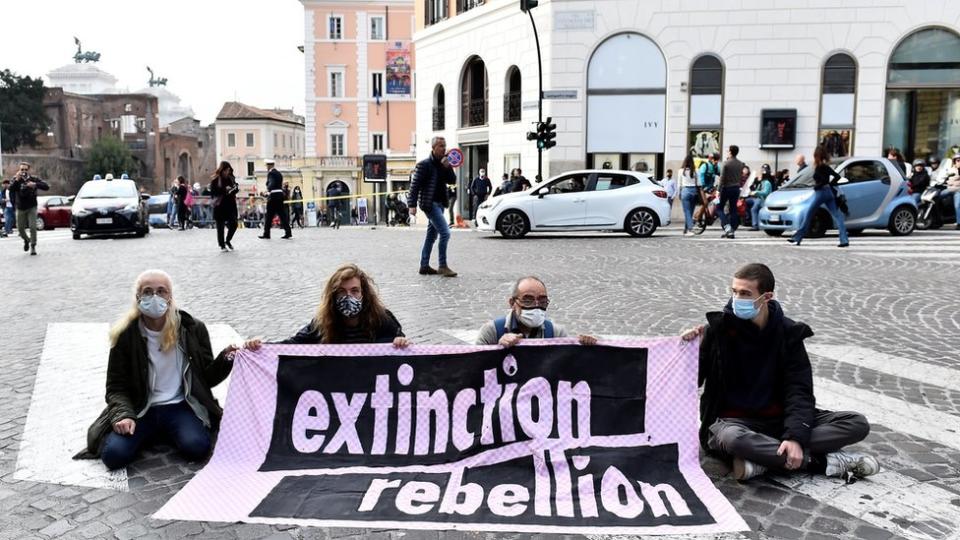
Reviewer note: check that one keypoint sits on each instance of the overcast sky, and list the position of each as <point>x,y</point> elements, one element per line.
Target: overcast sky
<point>210,50</point>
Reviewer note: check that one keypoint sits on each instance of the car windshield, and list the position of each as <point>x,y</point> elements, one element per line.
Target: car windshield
<point>803,180</point>
<point>103,189</point>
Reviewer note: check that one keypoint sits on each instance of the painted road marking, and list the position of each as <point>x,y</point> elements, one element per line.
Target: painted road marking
<point>74,364</point>
<point>889,364</point>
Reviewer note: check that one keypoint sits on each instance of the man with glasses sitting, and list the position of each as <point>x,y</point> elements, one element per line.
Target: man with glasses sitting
<point>527,318</point>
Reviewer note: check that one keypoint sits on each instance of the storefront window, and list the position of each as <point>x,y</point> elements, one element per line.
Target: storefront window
<point>922,115</point>
<point>706,107</point>
<point>838,98</point>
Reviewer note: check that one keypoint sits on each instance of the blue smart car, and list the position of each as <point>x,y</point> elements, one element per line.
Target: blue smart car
<point>877,197</point>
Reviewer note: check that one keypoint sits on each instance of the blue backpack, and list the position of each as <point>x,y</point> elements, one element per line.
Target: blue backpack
<point>501,326</point>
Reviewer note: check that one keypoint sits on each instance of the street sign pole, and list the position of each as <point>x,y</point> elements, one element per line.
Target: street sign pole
<point>539,94</point>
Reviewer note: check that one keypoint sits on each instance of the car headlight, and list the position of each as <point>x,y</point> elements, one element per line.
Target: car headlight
<point>82,212</point>
<point>490,205</point>
<point>132,207</point>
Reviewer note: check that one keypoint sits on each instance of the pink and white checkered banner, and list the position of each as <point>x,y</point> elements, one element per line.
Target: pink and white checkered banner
<point>549,436</point>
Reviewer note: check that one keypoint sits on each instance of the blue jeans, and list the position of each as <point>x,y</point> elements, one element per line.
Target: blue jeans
<point>688,198</point>
<point>176,422</point>
<point>731,195</point>
<point>9,217</point>
<point>754,204</point>
<point>436,226</point>
<point>822,197</point>
<point>956,206</point>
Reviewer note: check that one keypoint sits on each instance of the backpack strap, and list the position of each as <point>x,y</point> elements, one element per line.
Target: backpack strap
<point>547,329</point>
<point>500,325</point>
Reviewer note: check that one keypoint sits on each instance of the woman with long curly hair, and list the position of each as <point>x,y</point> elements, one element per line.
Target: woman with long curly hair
<point>350,311</point>
<point>159,377</point>
<point>223,193</point>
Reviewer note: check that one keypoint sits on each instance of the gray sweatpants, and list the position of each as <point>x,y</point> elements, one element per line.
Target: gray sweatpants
<point>757,440</point>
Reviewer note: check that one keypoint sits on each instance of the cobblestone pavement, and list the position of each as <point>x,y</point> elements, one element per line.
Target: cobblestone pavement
<point>895,296</point>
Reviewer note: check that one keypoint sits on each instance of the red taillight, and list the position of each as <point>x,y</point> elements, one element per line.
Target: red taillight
<point>660,193</point>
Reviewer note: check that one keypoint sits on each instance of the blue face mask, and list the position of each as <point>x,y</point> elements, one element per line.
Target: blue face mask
<point>745,308</point>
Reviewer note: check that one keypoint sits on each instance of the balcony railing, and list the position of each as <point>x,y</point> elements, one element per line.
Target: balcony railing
<point>342,162</point>
<point>473,113</point>
<point>511,107</point>
<point>439,122</point>
<point>467,5</point>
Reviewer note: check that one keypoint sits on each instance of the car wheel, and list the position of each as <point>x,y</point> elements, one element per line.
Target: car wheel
<point>76,235</point>
<point>819,226</point>
<point>902,221</point>
<point>640,223</point>
<point>773,232</point>
<point>41,225</point>
<point>513,224</point>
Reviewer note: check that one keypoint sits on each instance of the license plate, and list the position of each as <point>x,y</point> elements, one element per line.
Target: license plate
<point>774,218</point>
<point>104,221</point>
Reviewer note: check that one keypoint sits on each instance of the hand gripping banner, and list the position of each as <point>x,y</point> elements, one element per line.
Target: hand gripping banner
<point>548,436</point>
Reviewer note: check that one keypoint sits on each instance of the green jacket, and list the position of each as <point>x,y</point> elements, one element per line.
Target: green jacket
<point>128,379</point>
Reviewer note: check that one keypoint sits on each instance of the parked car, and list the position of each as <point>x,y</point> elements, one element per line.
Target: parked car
<point>588,200</point>
<point>53,211</point>
<point>109,207</point>
<point>877,196</point>
<point>157,210</point>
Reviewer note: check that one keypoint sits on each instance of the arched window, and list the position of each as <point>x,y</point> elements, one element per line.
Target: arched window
<point>511,97</point>
<point>705,123</point>
<point>439,108</point>
<point>922,114</point>
<point>838,102</point>
<point>626,103</point>
<point>473,93</point>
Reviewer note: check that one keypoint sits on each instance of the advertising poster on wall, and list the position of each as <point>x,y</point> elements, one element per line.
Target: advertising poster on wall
<point>398,69</point>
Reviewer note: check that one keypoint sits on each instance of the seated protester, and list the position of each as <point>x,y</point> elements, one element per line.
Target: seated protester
<point>527,318</point>
<point>350,312</point>
<point>758,405</point>
<point>159,376</point>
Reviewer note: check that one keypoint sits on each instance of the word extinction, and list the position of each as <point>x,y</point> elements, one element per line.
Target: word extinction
<point>490,413</point>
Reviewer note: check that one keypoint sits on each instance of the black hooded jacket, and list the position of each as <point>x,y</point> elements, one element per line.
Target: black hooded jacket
<point>792,376</point>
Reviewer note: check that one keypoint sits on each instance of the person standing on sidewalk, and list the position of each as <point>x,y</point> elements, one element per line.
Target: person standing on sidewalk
<point>223,197</point>
<point>669,184</point>
<point>296,206</point>
<point>24,191</point>
<point>183,209</point>
<point>689,193</point>
<point>275,206</point>
<point>730,192</point>
<point>428,190</point>
<point>480,189</point>
<point>823,178</point>
<point>9,211</point>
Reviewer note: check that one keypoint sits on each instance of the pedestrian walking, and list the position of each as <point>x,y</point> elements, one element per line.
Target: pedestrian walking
<point>159,377</point>
<point>172,204</point>
<point>451,201</point>
<point>669,184</point>
<point>480,189</point>
<point>824,177</point>
<point>183,208</point>
<point>23,190</point>
<point>689,193</point>
<point>707,174</point>
<point>428,191</point>
<point>223,198</point>
<point>758,195</point>
<point>296,204</point>
<point>521,183</point>
<point>275,206</point>
<point>730,192</point>
<point>758,408</point>
<point>9,210</point>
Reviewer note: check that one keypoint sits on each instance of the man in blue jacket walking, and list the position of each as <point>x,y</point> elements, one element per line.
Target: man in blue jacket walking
<point>428,190</point>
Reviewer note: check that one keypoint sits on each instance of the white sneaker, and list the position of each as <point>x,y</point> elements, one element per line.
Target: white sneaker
<point>744,470</point>
<point>847,464</point>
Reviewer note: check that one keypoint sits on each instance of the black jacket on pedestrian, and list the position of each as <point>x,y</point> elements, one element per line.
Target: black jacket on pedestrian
<point>481,187</point>
<point>128,379</point>
<point>793,374</point>
<point>25,197</point>
<point>224,198</point>
<point>429,184</point>
<point>389,329</point>
<point>274,180</point>
<point>920,181</point>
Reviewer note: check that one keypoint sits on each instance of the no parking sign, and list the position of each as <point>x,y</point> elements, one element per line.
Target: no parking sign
<point>455,157</point>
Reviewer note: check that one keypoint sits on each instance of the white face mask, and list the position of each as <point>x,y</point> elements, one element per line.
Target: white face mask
<point>532,318</point>
<point>152,306</point>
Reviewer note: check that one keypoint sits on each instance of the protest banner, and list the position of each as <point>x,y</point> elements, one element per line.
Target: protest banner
<point>548,436</point>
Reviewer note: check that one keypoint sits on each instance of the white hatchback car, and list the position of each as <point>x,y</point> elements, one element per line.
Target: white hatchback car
<point>590,200</point>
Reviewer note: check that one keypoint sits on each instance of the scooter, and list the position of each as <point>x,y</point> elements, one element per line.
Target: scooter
<point>934,210</point>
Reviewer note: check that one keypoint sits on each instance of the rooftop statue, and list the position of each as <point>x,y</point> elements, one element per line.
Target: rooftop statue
<point>88,56</point>
<point>155,81</point>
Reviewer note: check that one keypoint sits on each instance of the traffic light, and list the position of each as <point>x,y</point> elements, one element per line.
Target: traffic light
<point>527,5</point>
<point>547,132</point>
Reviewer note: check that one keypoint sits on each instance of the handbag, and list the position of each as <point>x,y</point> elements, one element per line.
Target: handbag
<point>841,200</point>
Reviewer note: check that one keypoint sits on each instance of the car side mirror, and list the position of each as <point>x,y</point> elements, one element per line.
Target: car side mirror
<point>843,180</point>
<point>542,191</point>
<point>144,197</point>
